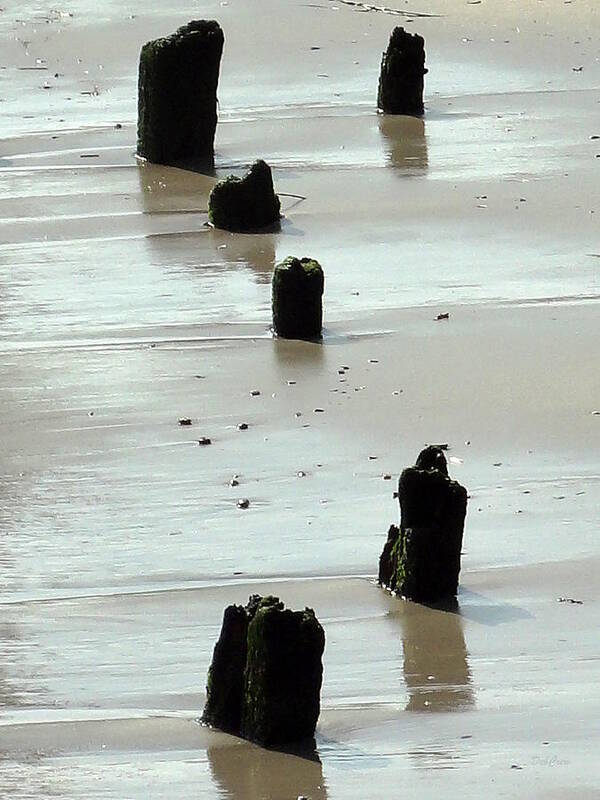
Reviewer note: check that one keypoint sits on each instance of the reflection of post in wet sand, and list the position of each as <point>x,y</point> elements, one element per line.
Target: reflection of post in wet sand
<point>294,354</point>
<point>405,143</point>
<point>168,190</point>
<point>255,250</point>
<point>436,668</point>
<point>184,195</point>
<point>243,771</point>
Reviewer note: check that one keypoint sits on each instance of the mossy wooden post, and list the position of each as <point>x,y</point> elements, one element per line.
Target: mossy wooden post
<point>245,204</point>
<point>284,672</point>
<point>421,559</point>
<point>177,96</point>
<point>401,79</point>
<point>225,684</point>
<point>264,682</point>
<point>297,298</point>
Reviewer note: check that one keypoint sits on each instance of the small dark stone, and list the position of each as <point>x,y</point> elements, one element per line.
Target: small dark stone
<point>185,421</point>
<point>265,679</point>
<point>177,96</point>
<point>402,72</point>
<point>243,426</point>
<point>421,559</point>
<point>243,503</point>
<point>245,204</point>
<point>296,296</point>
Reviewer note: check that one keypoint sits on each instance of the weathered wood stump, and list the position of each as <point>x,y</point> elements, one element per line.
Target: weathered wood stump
<point>225,684</point>
<point>265,679</point>
<point>401,79</point>
<point>421,558</point>
<point>284,673</point>
<point>245,204</point>
<point>297,298</point>
<point>177,96</point>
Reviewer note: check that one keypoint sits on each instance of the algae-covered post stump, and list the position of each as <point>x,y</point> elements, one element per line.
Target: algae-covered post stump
<point>265,679</point>
<point>225,685</point>
<point>421,558</point>
<point>297,298</point>
<point>177,96</point>
<point>245,204</point>
<point>401,78</point>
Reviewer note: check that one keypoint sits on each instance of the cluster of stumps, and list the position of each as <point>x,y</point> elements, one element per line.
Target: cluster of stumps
<point>177,121</point>
<point>265,679</point>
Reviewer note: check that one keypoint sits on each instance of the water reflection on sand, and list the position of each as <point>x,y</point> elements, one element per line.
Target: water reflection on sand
<point>436,660</point>
<point>246,770</point>
<point>405,143</point>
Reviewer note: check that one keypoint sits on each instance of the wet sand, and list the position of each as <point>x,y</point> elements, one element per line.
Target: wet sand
<point>120,312</point>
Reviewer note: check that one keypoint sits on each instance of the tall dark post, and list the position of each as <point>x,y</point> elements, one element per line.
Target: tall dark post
<point>177,96</point>
<point>401,79</point>
<point>297,298</point>
<point>421,559</point>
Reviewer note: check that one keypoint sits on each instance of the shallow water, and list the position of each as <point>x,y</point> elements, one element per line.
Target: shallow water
<point>120,312</point>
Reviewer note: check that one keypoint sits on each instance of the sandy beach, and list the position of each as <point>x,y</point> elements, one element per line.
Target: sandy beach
<point>121,541</point>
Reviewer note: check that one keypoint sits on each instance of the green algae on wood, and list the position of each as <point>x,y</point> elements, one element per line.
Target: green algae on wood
<point>177,96</point>
<point>265,678</point>
<point>297,298</point>
<point>421,558</point>
<point>245,204</point>
<point>401,78</point>
<point>284,672</point>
